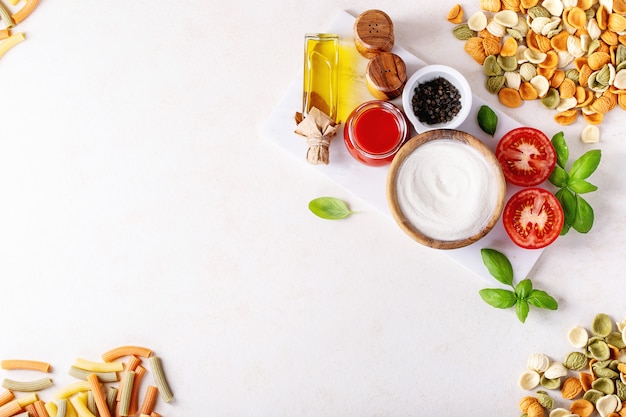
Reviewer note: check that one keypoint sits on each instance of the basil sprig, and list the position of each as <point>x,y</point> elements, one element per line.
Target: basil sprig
<point>577,211</point>
<point>330,208</point>
<point>522,295</point>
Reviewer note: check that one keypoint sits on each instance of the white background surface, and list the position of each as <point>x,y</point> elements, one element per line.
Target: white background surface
<point>141,206</point>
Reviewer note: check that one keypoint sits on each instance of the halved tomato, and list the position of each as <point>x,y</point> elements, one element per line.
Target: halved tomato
<point>526,156</point>
<point>533,218</point>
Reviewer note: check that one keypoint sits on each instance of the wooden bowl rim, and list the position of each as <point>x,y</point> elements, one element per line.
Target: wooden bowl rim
<point>392,195</point>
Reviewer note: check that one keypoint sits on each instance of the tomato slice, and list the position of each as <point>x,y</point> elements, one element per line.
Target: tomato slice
<point>533,218</point>
<point>526,156</point>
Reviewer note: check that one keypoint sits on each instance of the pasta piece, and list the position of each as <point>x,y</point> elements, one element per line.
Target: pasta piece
<point>27,386</point>
<point>121,351</point>
<point>91,403</point>
<point>40,409</point>
<point>159,378</point>
<point>27,399</point>
<point>72,389</point>
<point>25,11</point>
<point>98,396</point>
<point>6,396</point>
<point>79,402</point>
<point>98,366</point>
<point>134,396</point>
<point>52,409</point>
<point>103,377</point>
<point>149,400</point>
<point>11,408</point>
<point>31,410</point>
<point>10,42</point>
<point>62,408</point>
<point>5,16</point>
<point>153,414</point>
<point>133,363</point>
<point>126,389</point>
<point>71,411</point>
<point>112,399</point>
<point>11,364</point>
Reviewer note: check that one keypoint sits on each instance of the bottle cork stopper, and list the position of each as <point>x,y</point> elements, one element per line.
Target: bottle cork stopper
<point>373,33</point>
<point>385,76</point>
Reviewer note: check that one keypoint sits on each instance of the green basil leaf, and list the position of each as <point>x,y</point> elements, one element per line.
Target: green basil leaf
<point>330,208</point>
<point>565,229</point>
<point>542,299</point>
<point>487,120</point>
<point>569,204</point>
<point>562,151</point>
<point>583,222</point>
<point>581,186</point>
<point>523,289</point>
<point>498,298</point>
<point>521,309</point>
<point>584,166</point>
<point>559,176</point>
<point>498,265</point>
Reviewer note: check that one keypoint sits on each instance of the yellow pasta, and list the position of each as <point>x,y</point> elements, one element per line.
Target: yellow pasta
<point>52,409</point>
<point>27,386</point>
<point>92,366</point>
<point>27,399</point>
<point>72,389</point>
<point>79,402</point>
<point>10,42</point>
<point>159,378</point>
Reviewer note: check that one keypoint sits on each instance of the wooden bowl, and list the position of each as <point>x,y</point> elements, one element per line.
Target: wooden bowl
<point>449,202</point>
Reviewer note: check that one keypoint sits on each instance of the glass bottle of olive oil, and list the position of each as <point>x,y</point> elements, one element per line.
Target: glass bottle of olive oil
<point>321,56</point>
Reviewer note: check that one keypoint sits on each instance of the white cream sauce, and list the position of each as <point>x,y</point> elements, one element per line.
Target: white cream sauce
<point>446,189</point>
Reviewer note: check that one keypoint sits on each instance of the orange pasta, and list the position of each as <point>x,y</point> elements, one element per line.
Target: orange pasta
<point>31,410</point>
<point>11,364</point>
<point>6,396</point>
<point>40,408</point>
<point>10,408</point>
<point>4,33</point>
<point>98,396</point>
<point>133,363</point>
<point>25,11</point>
<point>154,414</point>
<point>121,351</point>
<point>134,396</point>
<point>149,400</point>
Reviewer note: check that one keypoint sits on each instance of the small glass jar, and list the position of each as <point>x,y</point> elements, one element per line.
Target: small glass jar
<point>375,131</point>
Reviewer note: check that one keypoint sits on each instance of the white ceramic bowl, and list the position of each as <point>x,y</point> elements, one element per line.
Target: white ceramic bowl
<point>428,73</point>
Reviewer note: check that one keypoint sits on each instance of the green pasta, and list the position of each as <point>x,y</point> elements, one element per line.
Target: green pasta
<point>159,378</point>
<point>126,388</point>
<point>27,386</point>
<point>102,376</point>
<point>61,407</point>
<point>111,399</point>
<point>5,16</point>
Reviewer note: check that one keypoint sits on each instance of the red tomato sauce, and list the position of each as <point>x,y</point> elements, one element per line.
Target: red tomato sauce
<point>374,132</point>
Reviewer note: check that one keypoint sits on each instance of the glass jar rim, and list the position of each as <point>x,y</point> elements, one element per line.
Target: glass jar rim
<point>389,108</point>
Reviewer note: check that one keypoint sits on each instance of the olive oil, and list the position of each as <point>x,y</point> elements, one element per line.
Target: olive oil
<point>321,62</point>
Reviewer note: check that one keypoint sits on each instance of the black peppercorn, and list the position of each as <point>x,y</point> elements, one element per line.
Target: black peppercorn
<point>436,101</point>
